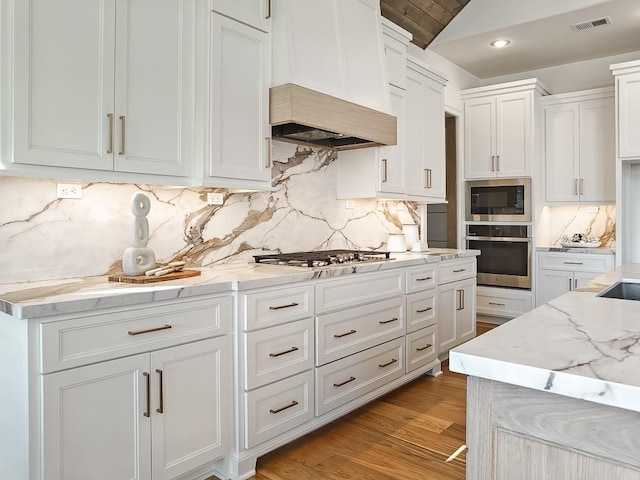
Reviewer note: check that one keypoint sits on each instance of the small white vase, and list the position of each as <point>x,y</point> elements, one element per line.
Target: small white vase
<point>396,243</point>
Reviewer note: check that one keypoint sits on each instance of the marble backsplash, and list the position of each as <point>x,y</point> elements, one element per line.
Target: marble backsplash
<point>598,221</point>
<point>42,237</point>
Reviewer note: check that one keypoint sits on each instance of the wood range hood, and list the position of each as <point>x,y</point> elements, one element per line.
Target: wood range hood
<point>302,115</point>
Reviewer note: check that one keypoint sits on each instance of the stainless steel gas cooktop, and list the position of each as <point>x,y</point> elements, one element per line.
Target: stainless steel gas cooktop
<point>322,258</point>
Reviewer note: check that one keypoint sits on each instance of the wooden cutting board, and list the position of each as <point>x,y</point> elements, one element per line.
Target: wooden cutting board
<point>122,278</point>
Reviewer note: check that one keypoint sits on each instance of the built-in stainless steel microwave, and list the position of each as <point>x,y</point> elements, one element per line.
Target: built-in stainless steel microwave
<point>499,200</point>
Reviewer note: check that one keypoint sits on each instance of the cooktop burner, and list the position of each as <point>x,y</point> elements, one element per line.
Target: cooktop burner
<point>322,258</point>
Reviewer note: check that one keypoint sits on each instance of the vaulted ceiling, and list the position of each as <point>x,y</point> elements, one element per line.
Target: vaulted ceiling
<point>423,18</point>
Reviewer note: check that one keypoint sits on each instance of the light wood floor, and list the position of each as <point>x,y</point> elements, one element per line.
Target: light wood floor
<point>407,434</point>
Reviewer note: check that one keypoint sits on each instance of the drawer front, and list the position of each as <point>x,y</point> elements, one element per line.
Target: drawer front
<point>275,353</point>
<point>422,278</point>
<point>575,262</point>
<point>344,380</point>
<point>501,306</point>
<point>456,270</point>
<point>349,331</point>
<point>277,408</point>
<point>98,337</point>
<point>421,347</point>
<point>421,310</point>
<point>358,290</point>
<point>274,306</point>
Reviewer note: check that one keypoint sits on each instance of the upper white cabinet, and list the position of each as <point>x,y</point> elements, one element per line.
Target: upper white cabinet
<point>100,87</point>
<point>395,40</point>
<point>334,47</point>
<point>239,132</point>
<point>627,77</point>
<point>256,13</point>
<point>499,129</point>
<point>579,146</point>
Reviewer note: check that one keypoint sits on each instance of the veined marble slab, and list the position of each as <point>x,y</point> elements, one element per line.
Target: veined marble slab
<point>56,297</point>
<point>560,248</point>
<point>577,345</point>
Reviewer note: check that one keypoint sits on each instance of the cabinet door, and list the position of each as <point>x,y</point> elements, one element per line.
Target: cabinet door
<point>239,109</point>
<point>63,84</point>
<point>447,304</point>
<point>256,13</point>
<point>552,284</point>
<point>434,157</point>
<point>597,151</point>
<point>513,134</point>
<point>628,98</point>
<point>190,413</point>
<point>155,76</point>
<point>582,278</point>
<point>93,422</point>
<point>391,178</point>
<point>562,152</point>
<point>480,137</point>
<point>466,310</point>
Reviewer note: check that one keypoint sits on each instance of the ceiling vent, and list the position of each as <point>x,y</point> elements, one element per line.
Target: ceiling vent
<point>592,23</point>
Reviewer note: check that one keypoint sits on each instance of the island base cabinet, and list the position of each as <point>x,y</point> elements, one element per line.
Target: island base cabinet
<point>516,432</point>
<point>157,415</point>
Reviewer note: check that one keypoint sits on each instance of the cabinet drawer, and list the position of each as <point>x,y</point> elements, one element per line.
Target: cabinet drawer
<point>421,347</point>
<point>277,408</point>
<point>349,378</point>
<point>98,337</point>
<point>503,306</point>
<point>421,310</point>
<point>278,352</point>
<point>274,306</point>
<point>422,278</point>
<point>456,270</point>
<point>358,290</point>
<point>349,331</point>
<point>575,262</point>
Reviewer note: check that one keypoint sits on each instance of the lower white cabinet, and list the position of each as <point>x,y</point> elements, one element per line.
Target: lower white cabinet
<point>456,313</point>
<point>502,302</point>
<point>560,272</point>
<point>155,415</point>
<point>421,347</point>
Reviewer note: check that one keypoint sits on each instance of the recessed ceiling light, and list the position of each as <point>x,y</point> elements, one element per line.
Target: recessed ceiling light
<point>503,42</point>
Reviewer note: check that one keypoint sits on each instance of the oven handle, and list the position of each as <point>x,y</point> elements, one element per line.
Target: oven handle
<point>499,239</point>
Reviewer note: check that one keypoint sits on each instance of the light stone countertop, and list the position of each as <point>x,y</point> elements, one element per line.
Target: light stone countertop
<point>560,248</point>
<point>577,345</point>
<point>54,297</point>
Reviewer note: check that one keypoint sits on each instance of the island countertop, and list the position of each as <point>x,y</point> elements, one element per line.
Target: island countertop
<point>71,295</point>
<point>577,345</point>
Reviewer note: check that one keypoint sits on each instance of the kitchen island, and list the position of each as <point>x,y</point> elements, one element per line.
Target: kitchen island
<point>555,393</point>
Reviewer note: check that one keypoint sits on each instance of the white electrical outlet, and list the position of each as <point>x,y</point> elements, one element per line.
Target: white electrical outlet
<point>215,198</point>
<point>69,190</point>
<point>592,209</point>
<point>349,204</point>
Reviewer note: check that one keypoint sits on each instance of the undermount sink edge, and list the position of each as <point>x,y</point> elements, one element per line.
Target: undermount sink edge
<point>622,290</point>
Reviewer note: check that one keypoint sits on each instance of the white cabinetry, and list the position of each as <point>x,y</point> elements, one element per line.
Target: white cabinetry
<point>627,77</point>
<point>456,303</point>
<point>502,302</point>
<point>560,272</point>
<point>500,129</point>
<point>97,87</point>
<point>579,146</point>
<point>138,392</point>
<point>422,316</point>
<point>256,13</point>
<point>239,133</point>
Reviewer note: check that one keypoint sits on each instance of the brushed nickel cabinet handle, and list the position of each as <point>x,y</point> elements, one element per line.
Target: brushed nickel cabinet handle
<point>382,365</point>
<point>278,410</point>
<point>279,307</point>
<point>573,263</point>
<point>570,285</point>
<point>581,186</point>
<point>268,10</point>
<point>384,170</point>
<point>429,178</point>
<point>575,283</point>
<point>462,299</point>
<point>340,335</point>
<point>291,350</point>
<point>351,379</point>
<point>424,310</point>
<point>382,322</point>
<point>148,378</point>
<point>161,388</point>
<point>497,163</point>
<point>157,329</point>
<point>575,181</point>
<point>428,345</point>
<point>459,270</point>
<point>459,307</point>
<point>425,178</point>
<point>498,304</point>
<point>422,279</point>
<point>268,155</point>
<point>110,117</point>
<point>123,125</point>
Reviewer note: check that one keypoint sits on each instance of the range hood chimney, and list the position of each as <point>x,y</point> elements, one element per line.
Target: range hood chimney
<point>329,74</point>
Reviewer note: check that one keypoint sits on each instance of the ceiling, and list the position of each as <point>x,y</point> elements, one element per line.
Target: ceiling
<point>540,31</point>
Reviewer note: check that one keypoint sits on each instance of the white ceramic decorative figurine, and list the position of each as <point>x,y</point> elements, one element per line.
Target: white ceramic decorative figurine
<point>138,258</point>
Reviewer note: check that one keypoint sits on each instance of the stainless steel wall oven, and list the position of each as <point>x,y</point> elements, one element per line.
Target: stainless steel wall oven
<point>505,259</point>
